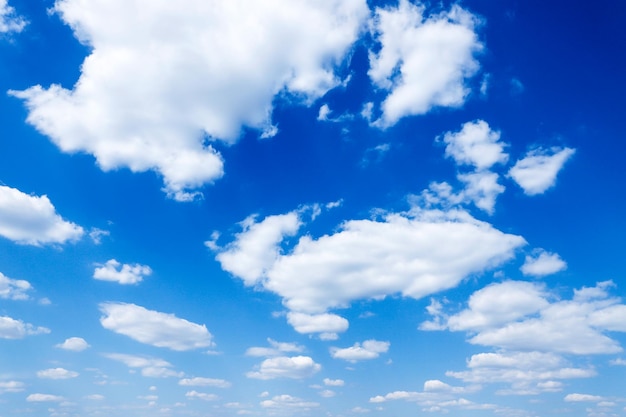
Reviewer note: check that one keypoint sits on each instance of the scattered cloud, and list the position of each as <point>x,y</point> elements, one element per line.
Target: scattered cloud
<point>145,103</point>
<point>276,349</point>
<point>150,367</point>
<point>296,367</point>
<point>204,382</point>
<point>32,220</point>
<point>11,328</point>
<point>537,171</point>
<point>75,344</point>
<point>13,289</point>
<point>125,274</point>
<point>370,349</point>
<point>56,373</point>
<point>423,62</point>
<point>153,327</point>
<point>9,21</point>
<point>543,263</point>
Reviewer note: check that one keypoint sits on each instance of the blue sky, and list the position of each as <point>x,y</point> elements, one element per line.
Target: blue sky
<point>307,208</point>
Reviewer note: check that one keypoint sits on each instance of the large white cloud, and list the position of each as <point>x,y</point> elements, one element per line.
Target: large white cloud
<point>13,289</point>
<point>295,367</point>
<point>153,327</point>
<point>161,82</point>
<point>537,171</point>
<point>125,274</point>
<point>423,61</point>
<point>32,220</point>
<point>11,328</point>
<point>9,22</point>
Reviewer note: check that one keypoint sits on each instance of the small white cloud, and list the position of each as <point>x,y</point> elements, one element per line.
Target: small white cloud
<point>370,349</point>
<point>95,397</point>
<point>32,220</point>
<point>57,373</point>
<point>327,393</point>
<point>582,398</point>
<point>201,396</point>
<point>323,113</point>
<point>122,274</point>
<point>276,349</point>
<point>13,289</point>
<point>96,235</point>
<point>477,145</point>
<point>153,327</point>
<point>150,367</point>
<point>44,398</point>
<point>538,170</point>
<point>9,21</point>
<point>296,367</point>
<point>75,344</point>
<point>542,264</point>
<point>287,402</point>
<point>329,324</point>
<point>334,382</point>
<point>11,328</point>
<point>204,382</point>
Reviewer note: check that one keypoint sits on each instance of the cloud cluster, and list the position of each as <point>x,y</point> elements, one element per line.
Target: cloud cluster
<point>13,289</point>
<point>9,22</point>
<point>32,220</point>
<point>125,274</point>
<point>153,327</point>
<point>146,103</point>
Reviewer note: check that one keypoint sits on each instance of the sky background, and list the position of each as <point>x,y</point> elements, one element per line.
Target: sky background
<point>329,208</point>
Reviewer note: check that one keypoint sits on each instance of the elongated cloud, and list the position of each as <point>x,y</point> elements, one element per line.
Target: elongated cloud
<point>32,220</point>
<point>295,367</point>
<point>160,84</point>
<point>57,373</point>
<point>370,349</point>
<point>153,327</point>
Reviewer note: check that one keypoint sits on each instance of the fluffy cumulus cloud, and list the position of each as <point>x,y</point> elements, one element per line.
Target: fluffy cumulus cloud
<point>75,344</point>
<point>537,171</point>
<point>150,367</point>
<point>476,145</point>
<point>204,382</point>
<point>159,85</point>
<point>517,315</point>
<point>370,349</point>
<point>423,61</point>
<point>9,22</point>
<point>153,327</point>
<point>32,220</point>
<point>295,367</point>
<point>327,324</point>
<point>543,263</point>
<point>57,373</point>
<point>11,328</point>
<point>126,274</point>
<point>13,289</point>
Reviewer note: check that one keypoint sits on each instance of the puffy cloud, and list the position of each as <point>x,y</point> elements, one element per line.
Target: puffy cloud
<point>158,86</point>
<point>9,22</point>
<point>537,171</point>
<point>583,397</point>
<point>276,349</point>
<point>153,327</point>
<point>13,289</point>
<point>150,367</point>
<point>370,349</point>
<point>542,264</point>
<point>517,315</point>
<point>476,144</point>
<point>296,367</point>
<point>256,247</point>
<point>11,328</point>
<point>327,324</point>
<point>204,382</point>
<point>423,62</point>
<point>44,398</point>
<point>11,386</point>
<point>287,402</point>
<point>481,188</point>
<point>122,274</point>
<point>57,373</point>
<point>201,396</point>
<point>32,220</point>
<point>75,344</point>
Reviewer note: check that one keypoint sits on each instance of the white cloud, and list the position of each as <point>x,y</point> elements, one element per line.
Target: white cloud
<point>95,397</point>
<point>9,22</point>
<point>538,170</point>
<point>370,349</point>
<point>481,188</point>
<point>150,367</point>
<point>287,402</point>
<point>13,289</point>
<point>327,324</point>
<point>11,328</point>
<point>276,349</point>
<point>296,367</point>
<point>201,396</point>
<point>256,247</point>
<point>11,386</point>
<point>477,145</point>
<point>122,274</point>
<point>158,84</point>
<point>32,220</point>
<point>76,344</point>
<point>44,398</point>
<point>204,382</point>
<point>542,264</point>
<point>153,327</point>
<point>423,61</point>
<point>96,235</point>
<point>334,382</point>
<point>57,373</point>
<point>582,397</point>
